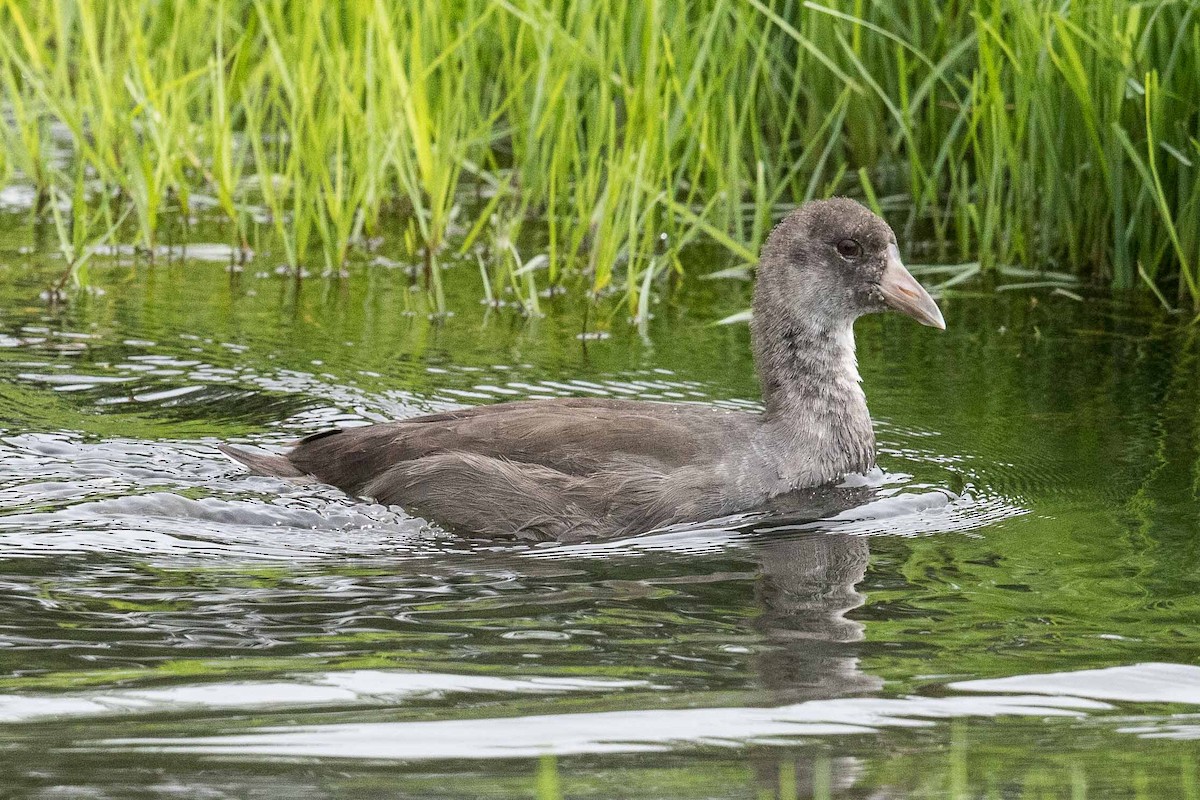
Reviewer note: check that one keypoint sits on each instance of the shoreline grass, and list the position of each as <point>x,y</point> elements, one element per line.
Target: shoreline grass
<point>1055,136</point>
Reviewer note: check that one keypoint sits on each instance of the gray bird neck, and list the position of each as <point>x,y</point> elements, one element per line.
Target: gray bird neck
<point>816,422</point>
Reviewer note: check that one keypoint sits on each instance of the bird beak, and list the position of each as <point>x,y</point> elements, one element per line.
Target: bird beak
<point>904,294</point>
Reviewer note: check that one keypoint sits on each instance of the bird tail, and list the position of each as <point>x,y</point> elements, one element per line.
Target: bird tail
<point>262,463</point>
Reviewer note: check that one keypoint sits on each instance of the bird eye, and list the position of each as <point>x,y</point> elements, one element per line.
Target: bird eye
<point>848,248</point>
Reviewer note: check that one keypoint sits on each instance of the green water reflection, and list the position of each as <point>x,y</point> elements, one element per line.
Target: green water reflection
<point>1073,425</point>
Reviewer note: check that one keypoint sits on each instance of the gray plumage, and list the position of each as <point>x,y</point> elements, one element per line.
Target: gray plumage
<point>582,468</point>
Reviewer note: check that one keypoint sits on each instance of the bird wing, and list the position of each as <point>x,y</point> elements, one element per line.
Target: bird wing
<point>483,496</point>
<point>575,437</point>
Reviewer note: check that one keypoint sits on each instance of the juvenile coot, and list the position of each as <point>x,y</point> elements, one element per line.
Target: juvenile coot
<point>581,468</point>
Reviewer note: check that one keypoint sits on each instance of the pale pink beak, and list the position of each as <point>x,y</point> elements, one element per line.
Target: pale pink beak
<point>904,294</point>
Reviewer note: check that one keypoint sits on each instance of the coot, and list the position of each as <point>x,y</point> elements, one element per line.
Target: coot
<point>583,468</point>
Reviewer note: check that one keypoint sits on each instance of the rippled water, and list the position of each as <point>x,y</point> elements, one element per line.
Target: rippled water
<point>1013,614</point>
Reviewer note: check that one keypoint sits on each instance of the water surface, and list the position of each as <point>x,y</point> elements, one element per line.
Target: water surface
<point>1013,616</point>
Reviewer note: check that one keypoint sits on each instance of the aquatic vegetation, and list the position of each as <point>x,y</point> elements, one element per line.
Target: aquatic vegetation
<point>1039,134</point>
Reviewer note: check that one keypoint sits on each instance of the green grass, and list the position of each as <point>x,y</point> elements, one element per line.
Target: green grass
<point>548,139</point>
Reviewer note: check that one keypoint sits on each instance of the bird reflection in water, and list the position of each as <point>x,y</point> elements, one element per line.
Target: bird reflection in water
<point>807,586</point>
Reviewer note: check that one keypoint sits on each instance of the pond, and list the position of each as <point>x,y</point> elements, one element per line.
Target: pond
<point>1014,616</point>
